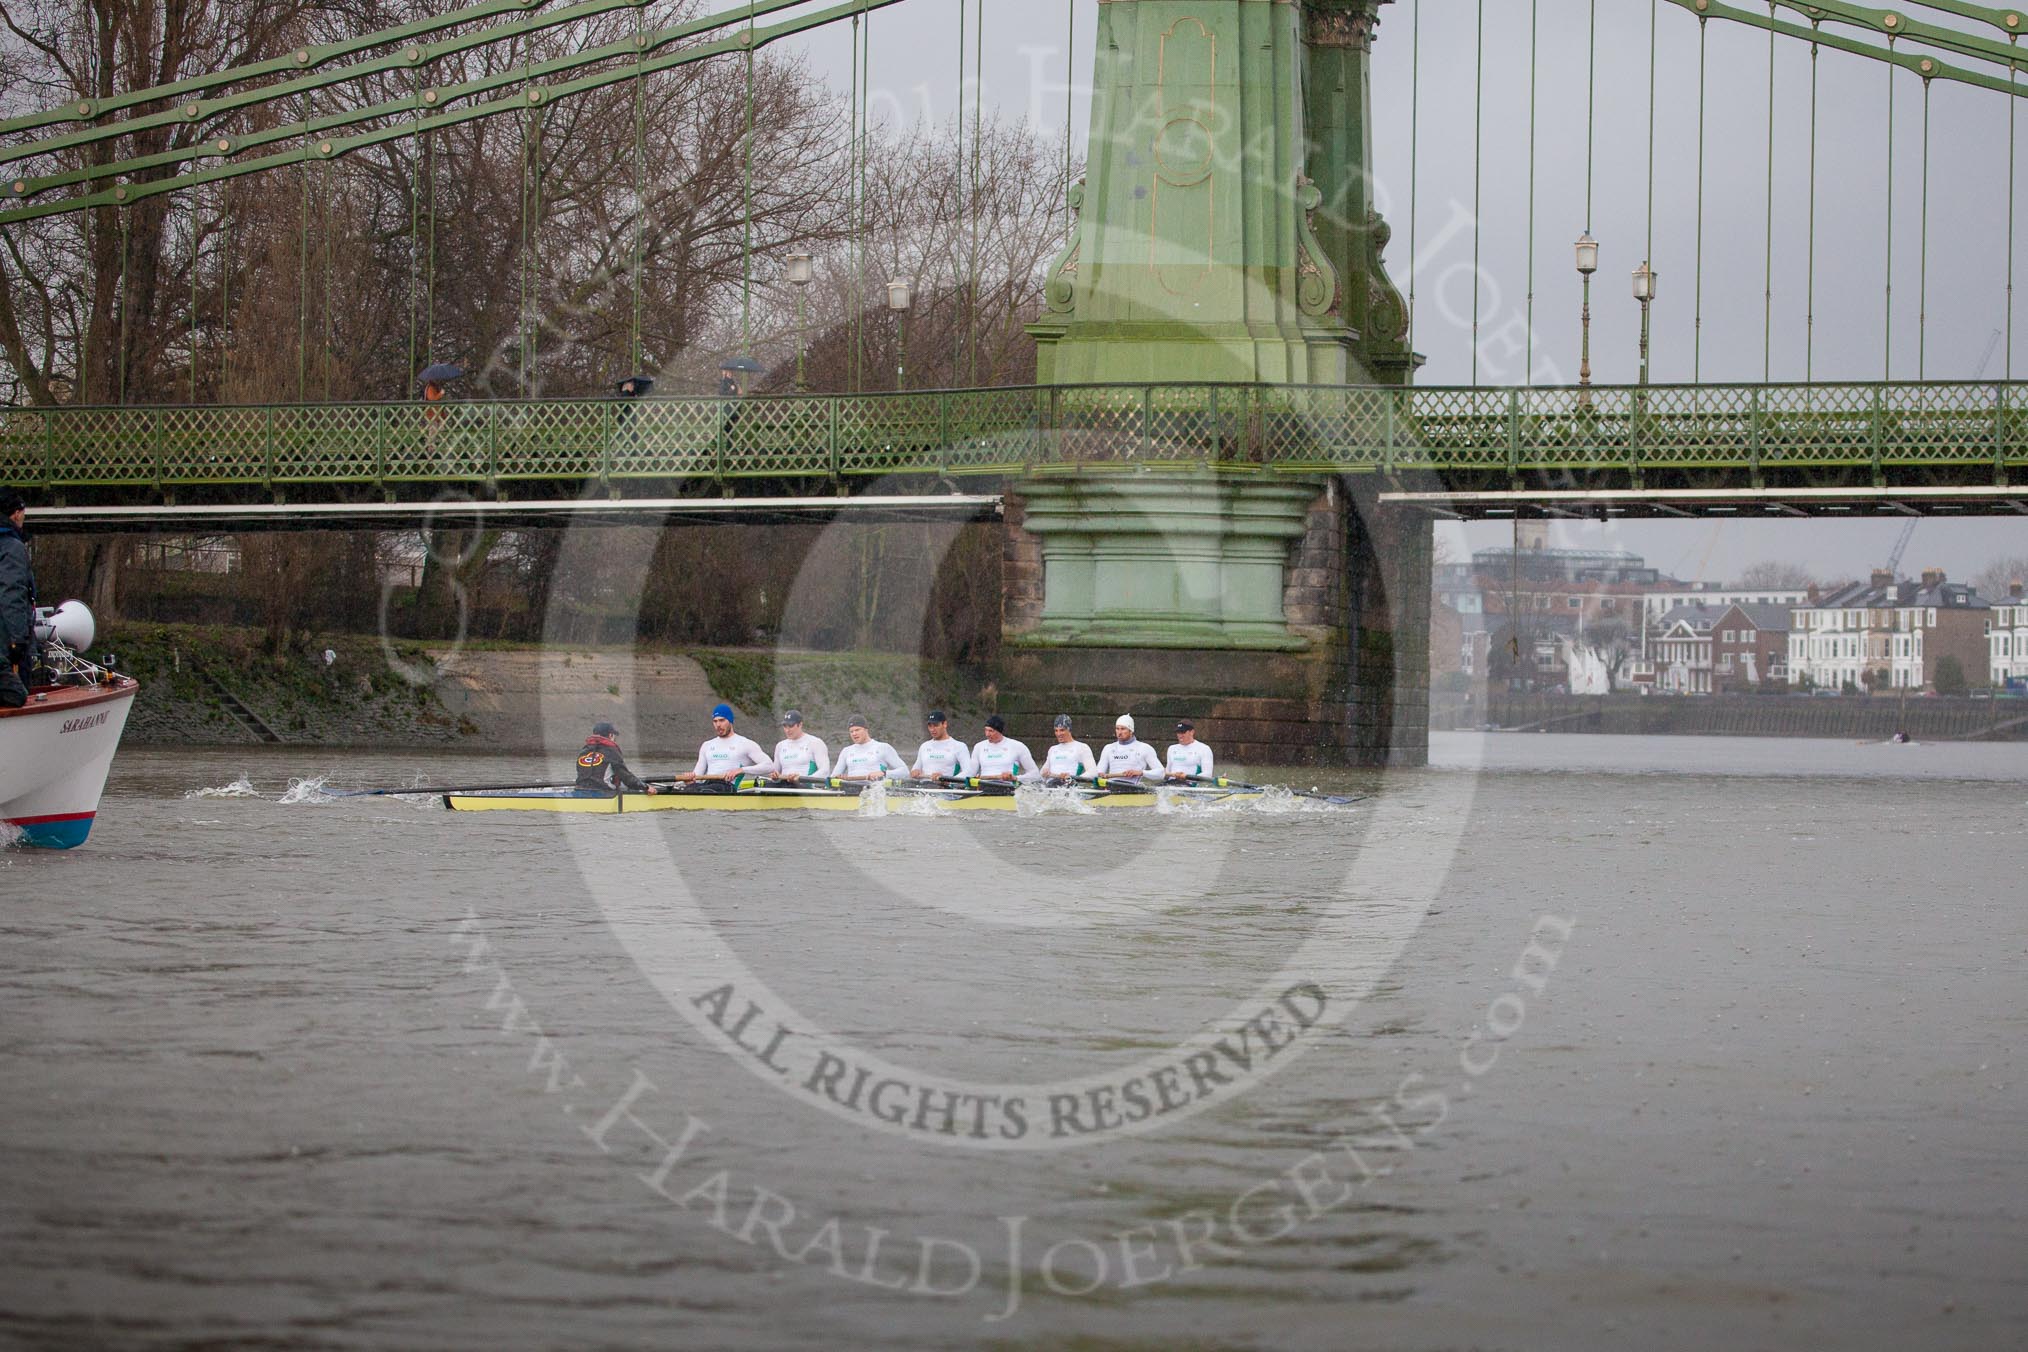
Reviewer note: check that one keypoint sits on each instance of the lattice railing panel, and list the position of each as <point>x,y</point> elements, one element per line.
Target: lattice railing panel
<point>891,434</point>
<point>667,438</point>
<point>554,440</point>
<point>1940,424</point>
<point>1811,425</point>
<point>336,442</point>
<point>1572,429</point>
<point>23,442</point>
<point>196,445</point>
<point>994,431</point>
<point>763,437</point>
<point>1098,425</point>
<point>103,446</point>
<point>1453,429</point>
<point>1678,425</point>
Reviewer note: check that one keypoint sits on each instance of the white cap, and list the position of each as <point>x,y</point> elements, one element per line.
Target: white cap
<point>1124,721</point>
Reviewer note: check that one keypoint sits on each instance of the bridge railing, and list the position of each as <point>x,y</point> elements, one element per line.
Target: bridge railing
<point>1271,428</point>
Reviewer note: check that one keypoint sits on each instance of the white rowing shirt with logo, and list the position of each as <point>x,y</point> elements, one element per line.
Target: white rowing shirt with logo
<point>1120,757</point>
<point>990,760</point>
<point>943,758</point>
<point>861,760</point>
<point>722,755</point>
<point>1069,760</point>
<point>1193,760</point>
<point>806,756</point>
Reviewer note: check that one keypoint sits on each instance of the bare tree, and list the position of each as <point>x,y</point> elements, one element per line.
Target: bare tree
<point>1996,580</point>
<point>1774,573</point>
<point>1614,643</point>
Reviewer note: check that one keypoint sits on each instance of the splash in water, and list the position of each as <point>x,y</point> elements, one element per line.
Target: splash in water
<point>309,791</point>
<point>1037,800</point>
<point>239,788</point>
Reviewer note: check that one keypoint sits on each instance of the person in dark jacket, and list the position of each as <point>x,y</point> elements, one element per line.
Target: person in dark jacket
<point>17,602</point>
<point>602,769</point>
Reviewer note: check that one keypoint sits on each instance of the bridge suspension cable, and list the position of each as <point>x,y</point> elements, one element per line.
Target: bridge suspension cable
<point>1810,237</point>
<point>1767,252</point>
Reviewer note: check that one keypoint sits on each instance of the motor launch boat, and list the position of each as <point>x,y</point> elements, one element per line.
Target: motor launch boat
<point>56,749</point>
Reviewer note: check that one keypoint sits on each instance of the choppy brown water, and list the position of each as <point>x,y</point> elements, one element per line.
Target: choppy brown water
<point>1770,1095</point>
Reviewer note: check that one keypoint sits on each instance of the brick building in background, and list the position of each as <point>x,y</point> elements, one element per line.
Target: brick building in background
<point>1887,635</point>
<point>1750,648</point>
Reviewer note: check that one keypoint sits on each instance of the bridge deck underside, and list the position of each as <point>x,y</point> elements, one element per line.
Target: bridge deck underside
<point>1743,442</point>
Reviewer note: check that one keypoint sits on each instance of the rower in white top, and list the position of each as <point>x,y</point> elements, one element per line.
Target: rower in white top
<point>1189,758</point>
<point>1069,759</point>
<point>1000,757</point>
<point>942,756</point>
<point>800,755</point>
<point>865,758</point>
<point>1127,757</point>
<point>727,755</point>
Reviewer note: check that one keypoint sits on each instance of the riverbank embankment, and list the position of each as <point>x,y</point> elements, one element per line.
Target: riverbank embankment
<point>228,686</point>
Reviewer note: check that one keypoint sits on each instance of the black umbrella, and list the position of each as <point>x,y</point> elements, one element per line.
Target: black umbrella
<point>740,364</point>
<point>440,372</point>
<point>633,387</point>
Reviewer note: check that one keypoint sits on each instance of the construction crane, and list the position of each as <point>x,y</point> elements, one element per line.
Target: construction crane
<point>1901,546</point>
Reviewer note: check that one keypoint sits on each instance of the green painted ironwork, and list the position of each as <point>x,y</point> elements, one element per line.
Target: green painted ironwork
<point>625,53</point>
<point>303,58</point>
<point>1928,67</point>
<point>1974,429</point>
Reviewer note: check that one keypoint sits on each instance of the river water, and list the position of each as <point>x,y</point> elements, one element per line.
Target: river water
<point>1569,1042</point>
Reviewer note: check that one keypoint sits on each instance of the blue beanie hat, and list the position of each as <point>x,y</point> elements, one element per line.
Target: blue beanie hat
<point>724,711</point>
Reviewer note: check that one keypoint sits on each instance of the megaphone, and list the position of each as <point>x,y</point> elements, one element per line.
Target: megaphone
<point>70,624</point>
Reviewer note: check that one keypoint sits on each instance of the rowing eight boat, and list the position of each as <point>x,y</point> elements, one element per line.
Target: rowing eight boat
<point>843,798</point>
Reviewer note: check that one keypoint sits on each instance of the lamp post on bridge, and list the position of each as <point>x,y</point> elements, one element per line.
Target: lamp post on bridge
<point>1644,292</point>
<point>801,269</point>
<point>1587,264</point>
<point>900,296</point>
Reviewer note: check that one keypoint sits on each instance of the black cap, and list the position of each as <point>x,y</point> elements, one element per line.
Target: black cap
<point>997,723</point>
<point>792,718</point>
<point>1186,726</point>
<point>857,721</point>
<point>11,502</point>
<point>935,716</point>
<point>604,730</point>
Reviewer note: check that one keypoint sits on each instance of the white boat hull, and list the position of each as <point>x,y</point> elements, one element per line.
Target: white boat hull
<point>54,756</point>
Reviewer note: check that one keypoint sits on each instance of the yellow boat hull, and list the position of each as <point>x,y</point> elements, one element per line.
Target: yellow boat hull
<point>780,801</point>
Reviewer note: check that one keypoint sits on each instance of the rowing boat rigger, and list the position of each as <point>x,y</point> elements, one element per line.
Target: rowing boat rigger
<point>847,796</point>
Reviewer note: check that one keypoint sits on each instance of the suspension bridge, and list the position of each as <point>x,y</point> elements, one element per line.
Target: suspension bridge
<point>1223,357</point>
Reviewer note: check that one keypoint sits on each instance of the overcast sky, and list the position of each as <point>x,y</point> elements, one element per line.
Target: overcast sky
<point>1027,74</point>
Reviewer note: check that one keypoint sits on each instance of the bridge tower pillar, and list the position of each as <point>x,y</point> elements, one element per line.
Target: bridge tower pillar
<point>1225,227</point>
<point>1225,233</point>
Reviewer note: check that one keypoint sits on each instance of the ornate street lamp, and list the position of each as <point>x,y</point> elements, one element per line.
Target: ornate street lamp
<point>1644,292</point>
<point>900,296</point>
<point>1587,264</point>
<point>801,270</point>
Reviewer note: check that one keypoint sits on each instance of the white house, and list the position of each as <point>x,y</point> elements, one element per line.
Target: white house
<point>2007,638</point>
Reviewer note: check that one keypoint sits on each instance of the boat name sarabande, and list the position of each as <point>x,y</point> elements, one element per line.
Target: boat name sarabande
<point>84,724</point>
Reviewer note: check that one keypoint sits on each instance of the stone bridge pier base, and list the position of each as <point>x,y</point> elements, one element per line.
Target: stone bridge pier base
<point>1288,618</point>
